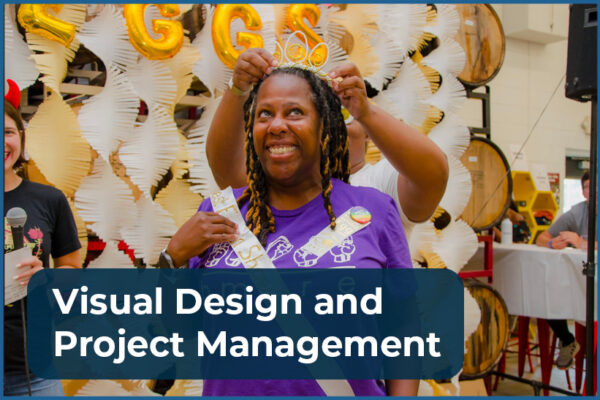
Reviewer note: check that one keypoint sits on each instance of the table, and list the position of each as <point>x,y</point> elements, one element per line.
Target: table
<point>538,282</point>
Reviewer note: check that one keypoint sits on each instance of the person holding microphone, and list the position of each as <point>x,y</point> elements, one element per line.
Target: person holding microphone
<point>49,231</point>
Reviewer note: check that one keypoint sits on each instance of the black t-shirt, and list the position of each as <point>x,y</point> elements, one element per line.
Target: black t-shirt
<point>50,230</point>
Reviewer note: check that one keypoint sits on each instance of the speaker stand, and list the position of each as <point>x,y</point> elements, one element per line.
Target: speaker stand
<point>589,269</point>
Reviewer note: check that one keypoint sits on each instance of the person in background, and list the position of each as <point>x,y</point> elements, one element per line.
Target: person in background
<point>414,171</point>
<point>570,229</point>
<point>50,230</point>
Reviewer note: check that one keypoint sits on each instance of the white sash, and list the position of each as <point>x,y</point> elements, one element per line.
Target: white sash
<point>247,247</point>
<point>255,256</point>
<point>252,254</point>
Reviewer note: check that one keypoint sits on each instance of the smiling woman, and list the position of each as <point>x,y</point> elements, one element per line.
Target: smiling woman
<point>299,140</point>
<point>49,231</point>
<point>296,211</point>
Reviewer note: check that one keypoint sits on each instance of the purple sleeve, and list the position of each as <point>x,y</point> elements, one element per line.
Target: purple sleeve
<point>195,262</point>
<point>392,238</point>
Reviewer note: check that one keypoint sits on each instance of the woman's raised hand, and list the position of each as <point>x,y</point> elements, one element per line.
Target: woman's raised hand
<point>349,85</point>
<point>199,233</point>
<point>251,66</point>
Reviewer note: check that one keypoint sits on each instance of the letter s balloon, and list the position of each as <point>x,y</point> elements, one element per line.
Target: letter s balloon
<point>295,21</point>
<point>171,31</point>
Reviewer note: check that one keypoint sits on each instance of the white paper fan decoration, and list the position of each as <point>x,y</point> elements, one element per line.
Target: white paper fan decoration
<point>151,149</point>
<point>18,65</point>
<point>181,67</point>
<point>105,202</point>
<point>102,388</point>
<point>186,387</point>
<point>331,32</point>
<point>404,96</point>
<point>181,164</point>
<point>108,118</point>
<point>54,142</point>
<point>201,177</point>
<point>179,201</point>
<point>451,135</point>
<point>152,82</point>
<point>449,57</point>
<point>106,36</point>
<point>456,244</point>
<point>403,22</point>
<point>52,57</point>
<point>391,57</point>
<point>446,23</point>
<point>151,231</point>
<point>111,257</point>
<point>458,188</point>
<point>450,96</point>
<point>360,21</point>
<point>105,387</point>
<point>210,70</point>
<point>421,239</point>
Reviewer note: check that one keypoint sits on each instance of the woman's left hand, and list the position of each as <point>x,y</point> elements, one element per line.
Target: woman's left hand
<point>349,85</point>
<point>27,268</point>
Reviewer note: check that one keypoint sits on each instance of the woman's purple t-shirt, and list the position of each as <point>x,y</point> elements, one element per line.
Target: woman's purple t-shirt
<point>382,244</point>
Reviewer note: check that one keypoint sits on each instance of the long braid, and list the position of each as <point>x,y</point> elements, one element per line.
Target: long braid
<point>334,154</point>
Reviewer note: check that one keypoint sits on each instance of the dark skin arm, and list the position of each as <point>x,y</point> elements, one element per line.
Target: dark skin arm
<point>421,185</point>
<point>225,141</point>
<point>199,233</point>
<point>402,387</point>
<point>422,166</point>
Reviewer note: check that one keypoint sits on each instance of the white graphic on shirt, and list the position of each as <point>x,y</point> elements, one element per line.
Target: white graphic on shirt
<point>304,257</point>
<point>218,251</point>
<point>232,259</point>
<point>279,248</point>
<point>344,251</point>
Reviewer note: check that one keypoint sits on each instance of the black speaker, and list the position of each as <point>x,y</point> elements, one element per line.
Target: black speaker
<point>581,58</point>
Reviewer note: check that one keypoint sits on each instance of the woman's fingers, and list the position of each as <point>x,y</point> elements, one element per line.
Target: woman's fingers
<point>252,70</point>
<point>251,66</point>
<point>345,70</point>
<point>351,82</point>
<point>27,268</point>
<point>219,219</point>
<point>31,261</point>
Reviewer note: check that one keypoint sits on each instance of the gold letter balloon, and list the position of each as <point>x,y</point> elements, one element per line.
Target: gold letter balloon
<point>35,19</point>
<point>171,31</point>
<point>224,14</point>
<point>295,21</point>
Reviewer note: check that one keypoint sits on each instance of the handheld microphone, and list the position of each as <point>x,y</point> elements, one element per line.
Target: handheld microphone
<point>16,218</point>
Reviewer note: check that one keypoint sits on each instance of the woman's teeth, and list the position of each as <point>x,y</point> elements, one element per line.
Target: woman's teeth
<point>281,149</point>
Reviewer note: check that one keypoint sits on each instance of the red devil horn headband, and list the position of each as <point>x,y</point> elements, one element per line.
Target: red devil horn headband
<point>13,95</point>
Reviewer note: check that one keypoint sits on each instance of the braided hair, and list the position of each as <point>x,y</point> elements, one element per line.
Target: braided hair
<point>334,162</point>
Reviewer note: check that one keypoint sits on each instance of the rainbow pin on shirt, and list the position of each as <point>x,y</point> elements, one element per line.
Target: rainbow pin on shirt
<point>360,215</point>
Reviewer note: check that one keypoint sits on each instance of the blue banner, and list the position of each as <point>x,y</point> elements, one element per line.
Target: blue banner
<point>245,324</point>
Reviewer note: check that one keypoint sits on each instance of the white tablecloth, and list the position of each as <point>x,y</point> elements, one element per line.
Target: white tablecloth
<point>538,282</point>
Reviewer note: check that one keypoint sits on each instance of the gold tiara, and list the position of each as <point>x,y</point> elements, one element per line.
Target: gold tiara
<point>296,55</point>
